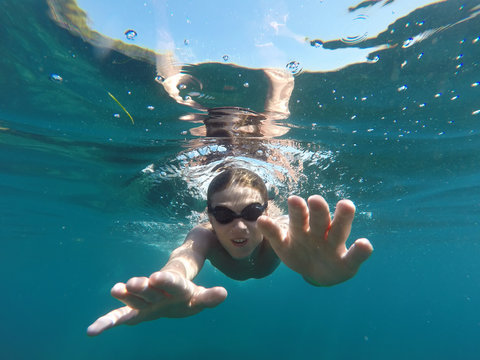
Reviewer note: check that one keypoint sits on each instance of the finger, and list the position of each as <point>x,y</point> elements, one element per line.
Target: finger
<point>298,215</point>
<point>342,222</point>
<point>120,292</point>
<point>209,297</point>
<point>139,287</point>
<point>113,318</point>
<point>272,232</point>
<point>319,216</point>
<point>358,253</point>
<point>169,283</point>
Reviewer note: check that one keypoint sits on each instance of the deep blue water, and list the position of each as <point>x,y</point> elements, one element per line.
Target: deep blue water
<point>77,214</point>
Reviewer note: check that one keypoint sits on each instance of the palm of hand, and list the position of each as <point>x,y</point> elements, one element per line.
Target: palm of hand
<point>314,246</point>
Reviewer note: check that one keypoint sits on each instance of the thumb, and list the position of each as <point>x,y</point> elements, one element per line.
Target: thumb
<point>358,253</point>
<point>209,297</point>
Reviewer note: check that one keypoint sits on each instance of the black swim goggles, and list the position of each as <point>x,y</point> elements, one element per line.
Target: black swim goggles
<point>250,213</point>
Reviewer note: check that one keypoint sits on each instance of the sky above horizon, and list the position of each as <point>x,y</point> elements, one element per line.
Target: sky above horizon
<point>249,33</point>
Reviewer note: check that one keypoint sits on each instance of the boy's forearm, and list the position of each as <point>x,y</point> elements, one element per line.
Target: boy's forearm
<point>182,266</point>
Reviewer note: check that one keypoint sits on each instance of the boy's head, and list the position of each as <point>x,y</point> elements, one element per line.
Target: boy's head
<point>237,177</point>
<point>236,198</point>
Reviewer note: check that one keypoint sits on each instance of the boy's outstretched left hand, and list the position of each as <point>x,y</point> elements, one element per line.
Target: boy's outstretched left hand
<point>314,245</point>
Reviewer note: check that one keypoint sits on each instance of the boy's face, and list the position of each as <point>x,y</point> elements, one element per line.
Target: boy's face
<point>239,237</point>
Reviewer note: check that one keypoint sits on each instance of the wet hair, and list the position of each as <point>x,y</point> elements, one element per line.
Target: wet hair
<point>239,177</point>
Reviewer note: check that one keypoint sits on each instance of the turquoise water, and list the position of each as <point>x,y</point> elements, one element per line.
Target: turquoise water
<point>398,135</point>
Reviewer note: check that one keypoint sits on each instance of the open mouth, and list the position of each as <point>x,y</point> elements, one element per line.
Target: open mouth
<point>239,242</point>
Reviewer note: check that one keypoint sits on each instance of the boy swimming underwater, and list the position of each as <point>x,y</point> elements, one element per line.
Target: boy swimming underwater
<point>243,242</point>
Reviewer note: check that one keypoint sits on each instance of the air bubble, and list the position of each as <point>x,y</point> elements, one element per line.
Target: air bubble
<point>150,107</point>
<point>160,79</point>
<point>407,43</point>
<point>246,85</point>
<point>293,67</point>
<point>116,116</point>
<point>130,34</point>
<point>56,78</point>
<point>186,42</point>
<point>352,40</point>
<point>182,86</point>
<point>316,43</point>
<point>402,88</point>
<point>225,57</point>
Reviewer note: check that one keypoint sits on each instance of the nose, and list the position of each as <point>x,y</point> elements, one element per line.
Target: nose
<point>239,224</point>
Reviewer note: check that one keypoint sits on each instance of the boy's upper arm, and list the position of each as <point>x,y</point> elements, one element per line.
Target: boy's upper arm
<point>199,240</point>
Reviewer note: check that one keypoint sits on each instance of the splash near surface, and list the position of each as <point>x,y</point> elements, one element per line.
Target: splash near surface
<point>123,108</point>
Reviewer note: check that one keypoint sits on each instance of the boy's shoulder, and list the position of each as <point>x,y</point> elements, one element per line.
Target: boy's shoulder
<point>201,239</point>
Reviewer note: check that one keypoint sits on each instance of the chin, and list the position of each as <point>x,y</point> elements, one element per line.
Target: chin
<point>241,256</point>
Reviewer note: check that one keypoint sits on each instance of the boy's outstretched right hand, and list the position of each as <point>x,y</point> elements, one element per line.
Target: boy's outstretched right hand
<point>163,294</point>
